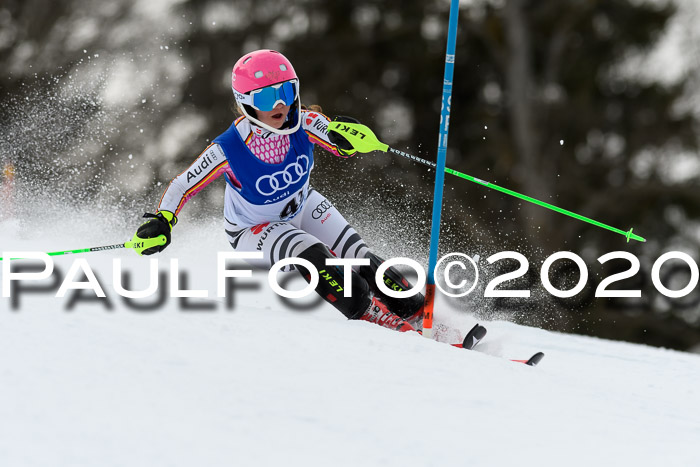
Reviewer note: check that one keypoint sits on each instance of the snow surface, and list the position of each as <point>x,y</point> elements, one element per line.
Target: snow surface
<point>262,384</point>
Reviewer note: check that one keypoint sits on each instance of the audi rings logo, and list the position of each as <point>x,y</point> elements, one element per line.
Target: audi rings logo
<point>321,209</point>
<point>270,184</point>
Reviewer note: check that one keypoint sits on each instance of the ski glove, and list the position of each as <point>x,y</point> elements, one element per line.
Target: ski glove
<point>344,147</point>
<point>158,224</point>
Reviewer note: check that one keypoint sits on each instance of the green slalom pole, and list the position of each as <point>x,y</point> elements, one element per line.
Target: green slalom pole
<point>137,244</point>
<point>364,140</point>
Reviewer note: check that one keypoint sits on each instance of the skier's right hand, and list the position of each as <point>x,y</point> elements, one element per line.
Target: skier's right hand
<point>160,223</point>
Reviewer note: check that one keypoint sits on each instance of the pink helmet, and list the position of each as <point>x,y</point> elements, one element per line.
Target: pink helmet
<point>260,69</point>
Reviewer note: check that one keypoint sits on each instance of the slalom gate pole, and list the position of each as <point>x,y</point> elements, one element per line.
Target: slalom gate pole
<point>141,244</point>
<point>440,170</point>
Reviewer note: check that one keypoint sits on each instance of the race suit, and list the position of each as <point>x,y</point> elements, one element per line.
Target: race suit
<point>269,205</point>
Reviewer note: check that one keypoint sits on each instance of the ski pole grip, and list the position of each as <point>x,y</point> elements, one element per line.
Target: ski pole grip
<point>359,136</point>
<point>146,243</point>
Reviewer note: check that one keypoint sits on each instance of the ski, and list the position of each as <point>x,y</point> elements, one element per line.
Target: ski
<point>532,361</point>
<point>477,333</point>
<point>472,338</point>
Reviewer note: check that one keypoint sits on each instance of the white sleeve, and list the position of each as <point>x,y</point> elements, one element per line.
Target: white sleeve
<point>210,164</point>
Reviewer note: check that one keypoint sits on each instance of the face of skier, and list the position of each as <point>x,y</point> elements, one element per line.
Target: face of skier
<point>275,117</point>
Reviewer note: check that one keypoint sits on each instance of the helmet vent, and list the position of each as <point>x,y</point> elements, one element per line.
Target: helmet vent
<point>283,67</point>
<point>259,74</point>
<point>247,60</point>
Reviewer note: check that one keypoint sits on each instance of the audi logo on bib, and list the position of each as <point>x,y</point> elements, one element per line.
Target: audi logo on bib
<point>270,184</point>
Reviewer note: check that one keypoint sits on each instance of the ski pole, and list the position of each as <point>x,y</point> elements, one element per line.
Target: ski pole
<point>140,244</point>
<point>364,140</point>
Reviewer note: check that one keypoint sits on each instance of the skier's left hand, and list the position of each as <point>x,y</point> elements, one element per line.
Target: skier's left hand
<point>344,147</point>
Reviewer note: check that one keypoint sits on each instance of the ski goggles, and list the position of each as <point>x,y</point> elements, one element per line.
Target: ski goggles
<point>267,98</point>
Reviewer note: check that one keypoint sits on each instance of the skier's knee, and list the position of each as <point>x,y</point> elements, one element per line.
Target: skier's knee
<point>316,254</point>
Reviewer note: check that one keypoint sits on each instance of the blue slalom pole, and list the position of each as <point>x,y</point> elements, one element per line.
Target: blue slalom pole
<point>440,169</point>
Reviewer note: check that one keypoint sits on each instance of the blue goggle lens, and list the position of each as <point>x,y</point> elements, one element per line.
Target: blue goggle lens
<point>266,99</point>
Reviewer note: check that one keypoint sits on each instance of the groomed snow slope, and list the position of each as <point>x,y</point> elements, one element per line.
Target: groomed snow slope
<point>259,384</point>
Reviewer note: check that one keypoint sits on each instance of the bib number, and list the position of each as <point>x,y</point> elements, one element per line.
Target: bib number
<point>292,206</point>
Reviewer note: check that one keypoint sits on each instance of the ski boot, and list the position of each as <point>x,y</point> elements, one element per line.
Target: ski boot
<point>379,313</point>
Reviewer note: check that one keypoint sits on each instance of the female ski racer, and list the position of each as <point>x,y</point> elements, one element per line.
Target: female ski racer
<point>266,157</point>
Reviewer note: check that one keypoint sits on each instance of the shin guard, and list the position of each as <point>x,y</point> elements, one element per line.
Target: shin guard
<point>406,308</point>
<point>330,283</point>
